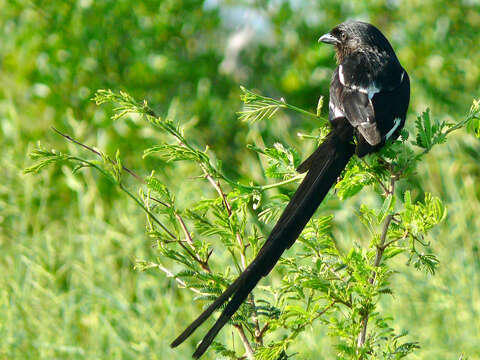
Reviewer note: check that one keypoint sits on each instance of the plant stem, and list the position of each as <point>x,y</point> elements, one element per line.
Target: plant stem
<point>281,183</point>
<point>179,281</point>
<point>380,182</point>
<point>69,138</point>
<point>378,257</point>
<point>245,342</point>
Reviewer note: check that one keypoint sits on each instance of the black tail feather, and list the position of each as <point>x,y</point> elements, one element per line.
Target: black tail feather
<point>227,313</point>
<point>324,167</point>
<point>205,315</point>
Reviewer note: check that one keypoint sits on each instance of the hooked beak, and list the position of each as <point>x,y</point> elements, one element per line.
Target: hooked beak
<point>329,39</point>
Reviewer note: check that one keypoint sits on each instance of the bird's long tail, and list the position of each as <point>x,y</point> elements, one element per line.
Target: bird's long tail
<point>324,166</point>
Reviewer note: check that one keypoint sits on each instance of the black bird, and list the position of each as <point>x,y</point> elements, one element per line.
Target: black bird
<point>369,96</point>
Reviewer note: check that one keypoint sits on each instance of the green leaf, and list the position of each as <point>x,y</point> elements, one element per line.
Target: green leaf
<point>320,106</point>
<point>473,120</point>
<point>429,133</point>
<point>43,159</point>
<point>257,107</point>
<point>353,180</point>
<point>387,207</point>
<point>282,160</point>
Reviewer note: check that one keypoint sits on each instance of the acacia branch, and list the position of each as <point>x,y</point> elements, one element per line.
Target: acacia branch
<point>378,258</point>
<point>179,281</point>
<point>379,181</point>
<point>91,149</point>
<point>245,342</point>
<point>203,264</point>
<point>257,332</point>
<point>218,188</point>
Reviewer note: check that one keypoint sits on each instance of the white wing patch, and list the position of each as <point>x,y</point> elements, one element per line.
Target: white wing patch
<point>335,111</point>
<point>340,75</point>
<point>392,130</point>
<point>370,91</point>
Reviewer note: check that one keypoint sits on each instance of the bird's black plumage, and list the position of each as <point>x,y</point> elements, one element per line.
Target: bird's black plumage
<point>369,96</point>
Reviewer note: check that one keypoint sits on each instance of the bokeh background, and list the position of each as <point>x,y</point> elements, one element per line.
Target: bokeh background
<point>68,243</point>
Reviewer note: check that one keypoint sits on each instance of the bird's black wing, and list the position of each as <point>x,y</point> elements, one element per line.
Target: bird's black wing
<point>354,102</point>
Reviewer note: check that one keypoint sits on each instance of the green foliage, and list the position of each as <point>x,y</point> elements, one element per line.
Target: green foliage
<point>282,161</point>
<point>69,241</point>
<point>257,107</point>
<point>322,283</point>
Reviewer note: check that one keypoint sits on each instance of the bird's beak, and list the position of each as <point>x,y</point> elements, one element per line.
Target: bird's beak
<point>329,39</point>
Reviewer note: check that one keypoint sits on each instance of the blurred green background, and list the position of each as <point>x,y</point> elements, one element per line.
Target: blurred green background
<point>68,243</point>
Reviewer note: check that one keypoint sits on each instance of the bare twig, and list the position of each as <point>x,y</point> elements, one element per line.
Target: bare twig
<point>245,342</point>
<point>325,310</point>
<point>91,149</point>
<point>219,190</point>
<point>180,281</point>
<point>264,329</point>
<point>188,237</point>
<point>257,333</point>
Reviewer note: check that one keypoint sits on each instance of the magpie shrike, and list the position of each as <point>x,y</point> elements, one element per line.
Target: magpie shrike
<point>369,96</point>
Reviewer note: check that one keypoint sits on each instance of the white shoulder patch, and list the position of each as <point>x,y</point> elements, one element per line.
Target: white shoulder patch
<point>372,90</point>
<point>336,112</point>
<point>341,77</point>
<point>396,123</point>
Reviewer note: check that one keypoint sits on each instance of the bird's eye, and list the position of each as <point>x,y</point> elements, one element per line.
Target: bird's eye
<point>343,35</point>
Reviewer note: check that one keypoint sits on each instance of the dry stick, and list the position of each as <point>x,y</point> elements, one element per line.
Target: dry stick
<point>264,329</point>
<point>325,310</point>
<point>203,264</point>
<point>219,190</point>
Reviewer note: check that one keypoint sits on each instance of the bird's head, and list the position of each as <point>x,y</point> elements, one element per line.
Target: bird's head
<point>352,36</point>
